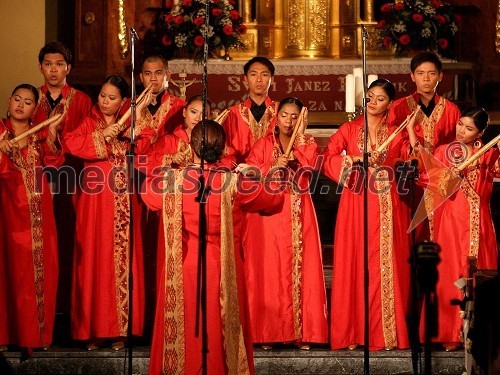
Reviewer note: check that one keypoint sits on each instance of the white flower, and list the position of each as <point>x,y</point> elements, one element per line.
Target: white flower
<point>210,30</point>
<point>429,10</point>
<point>426,33</point>
<point>453,28</point>
<point>399,27</point>
<point>180,40</point>
<point>225,21</point>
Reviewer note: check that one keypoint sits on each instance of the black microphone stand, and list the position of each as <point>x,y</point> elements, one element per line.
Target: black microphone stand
<point>202,198</point>
<point>366,271</point>
<point>409,175</point>
<point>131,186</point>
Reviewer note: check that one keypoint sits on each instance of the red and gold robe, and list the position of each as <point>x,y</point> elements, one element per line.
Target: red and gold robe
<point>28,242</point>
<point>175,348</point>
<point>283,262</point>
<point>159,153</point>
<point>464,228</point>
<point>65,181</point>
<point>164,121</point>
<point>388,245</point>
<point>242,130</point>
<point>432,132</point>
<point>100,297</point>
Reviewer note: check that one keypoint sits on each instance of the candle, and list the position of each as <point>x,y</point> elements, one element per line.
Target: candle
<point>455,87</point>
<point>350,93</point>
<point>358,85</point>
<point>371,78</point>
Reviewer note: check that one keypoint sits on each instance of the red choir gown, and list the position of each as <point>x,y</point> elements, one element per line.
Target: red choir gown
<point>175,348</point>
<point>388,245</point>
<point>432,131</point>
<point>464,228</point>
<point>65,181</point>
<point>165,119</point>
<point>283,261</point>
<point>28,242</point>
<point>100,298</point>
<point>242,130</point>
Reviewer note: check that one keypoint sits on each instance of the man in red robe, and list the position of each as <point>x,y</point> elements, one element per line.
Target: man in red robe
<point>164,112</point>
<point>251,120</point>
<point>436,120</point>
<point>55,63</point>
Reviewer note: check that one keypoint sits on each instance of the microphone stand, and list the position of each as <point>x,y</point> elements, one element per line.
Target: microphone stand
<point>131,185</point>
<point>366,271</point>
<point>410,174</point>
<point>202,198</point>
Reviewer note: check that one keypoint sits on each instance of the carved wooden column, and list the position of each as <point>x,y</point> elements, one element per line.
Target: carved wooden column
<point>250,39</point>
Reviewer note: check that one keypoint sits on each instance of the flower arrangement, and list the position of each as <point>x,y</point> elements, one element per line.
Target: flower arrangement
<point>180,29</point>
<point>410,25</point>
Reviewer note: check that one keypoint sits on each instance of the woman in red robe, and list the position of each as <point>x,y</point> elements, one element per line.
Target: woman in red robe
<point>28,239</point>
<point>388,242</point>
<point>175,347</point>
<point>172,149</point>
<point>283,263</point>
<point>463,223</point>
<point>100,290</point>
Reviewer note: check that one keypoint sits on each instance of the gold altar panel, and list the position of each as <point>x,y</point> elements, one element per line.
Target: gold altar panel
<point>307,27</point>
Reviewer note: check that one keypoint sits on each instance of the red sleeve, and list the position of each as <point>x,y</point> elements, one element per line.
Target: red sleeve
<point>335,162</point>
<point>86,142</point>
<point>255,196</point>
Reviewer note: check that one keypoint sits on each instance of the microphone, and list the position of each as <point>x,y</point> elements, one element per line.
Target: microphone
<point>365,31</point>
<point>134,33</point>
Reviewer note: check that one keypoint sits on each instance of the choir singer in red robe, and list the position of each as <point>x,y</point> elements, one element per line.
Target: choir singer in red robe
<point>176,348</point>
<point>28,238</point>
<point>100,290</point>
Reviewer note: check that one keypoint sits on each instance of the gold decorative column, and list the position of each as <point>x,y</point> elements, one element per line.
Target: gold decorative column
<point>250,39</point>
<point>270,27</point>
<point>306,27</point>
<point>350,31</point>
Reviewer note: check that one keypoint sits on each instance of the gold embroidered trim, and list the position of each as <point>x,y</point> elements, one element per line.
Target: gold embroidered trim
<point>258,129</point>
<point>428,123</point>
<point>232,329</point>
<point>27,168</point>
<point>156,121</point>
<point>345,171</point>
<point>44,105</point>
<point>386,259</point>
<point>467,186</point>
<point>296,212</point>
<point>121,232</point>
<point>99,143</point>
<point>173,321</point>
<point>429,207</point>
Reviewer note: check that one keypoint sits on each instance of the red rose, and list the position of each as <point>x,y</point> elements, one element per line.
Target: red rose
<point>436,3</point>
<point>215,1</point>
<point>242,29</point>
<point>387,41</point>
<point>187,3</point>
<point>166,40</point>
<point>404,40</point>
<point>443,43</point>
<point>234,14</point>
<point>399,6</point>
<point>198,21</point>
<point>169,18</point>
<point>179,20</point>
<point>232,2</point>
<point>381,24</point>
<point>440,19</point>
<point>199,41</point>
<point>386,8</point>
<point>169,4</point>
<point>227,29</point>
<point>417,17</point>
<point>216,12</point>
